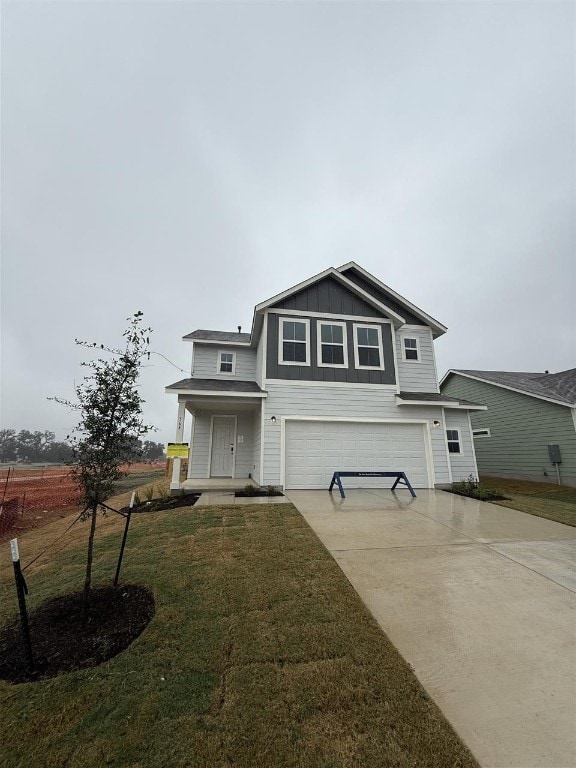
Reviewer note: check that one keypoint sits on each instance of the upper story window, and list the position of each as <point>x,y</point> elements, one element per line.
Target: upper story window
<point>368,347</point>
<point>410,348</point>
<point>332,345</point>
<point>485,432</point>
<point>294,343</point>
<point>226,362</point>
<point>453,440</point>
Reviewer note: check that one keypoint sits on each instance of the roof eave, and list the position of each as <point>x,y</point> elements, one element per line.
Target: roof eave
<point>397,319</point>
<point>436,325</point>
<point>506,386</point>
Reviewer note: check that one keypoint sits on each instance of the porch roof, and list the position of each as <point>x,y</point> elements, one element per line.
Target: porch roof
<point>195,386</point>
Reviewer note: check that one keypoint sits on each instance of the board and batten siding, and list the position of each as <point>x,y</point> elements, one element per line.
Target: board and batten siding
<point>315,372</point>
<point>316,401</point>
<point>462,464</point>
<point>521,429</point>
<point>206,365</point>
<point>416,375</point>
<point>199,466</point>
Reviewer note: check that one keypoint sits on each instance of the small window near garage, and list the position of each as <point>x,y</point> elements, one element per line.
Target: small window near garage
<point>332,346</point>
<point>368,347</point>
<point>410,348</point>
<point>294,342</point>
<point>226,362</point>
<point>481,432</point>
<point>453,439</point>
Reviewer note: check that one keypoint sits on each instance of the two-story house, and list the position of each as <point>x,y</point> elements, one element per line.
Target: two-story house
<point>337,373</point>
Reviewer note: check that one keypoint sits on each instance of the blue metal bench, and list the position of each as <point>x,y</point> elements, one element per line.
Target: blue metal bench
<point>400,478</point>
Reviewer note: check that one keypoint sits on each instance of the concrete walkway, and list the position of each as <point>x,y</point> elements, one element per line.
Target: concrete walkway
<point>480,600</point>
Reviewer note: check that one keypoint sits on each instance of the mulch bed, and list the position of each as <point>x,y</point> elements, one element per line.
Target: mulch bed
<point>64,640</point>
<point>159,505</point>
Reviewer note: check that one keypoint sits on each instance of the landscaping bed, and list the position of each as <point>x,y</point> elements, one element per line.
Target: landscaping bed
<point>64,637</point>
<point>169,502</point>
<point>256,493</point>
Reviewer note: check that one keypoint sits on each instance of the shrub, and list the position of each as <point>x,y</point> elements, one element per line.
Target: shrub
<point>250,489</point>
<point>149,493</point>
<point>473,488</point>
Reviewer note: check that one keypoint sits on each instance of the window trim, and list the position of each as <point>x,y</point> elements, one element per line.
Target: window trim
<point>378,328</point>
<point>412,337</point>
<point>226,352</point>
<point>458,431</point>
<point>485,430</point>
<point>306,323</point>
<point>319,343</point>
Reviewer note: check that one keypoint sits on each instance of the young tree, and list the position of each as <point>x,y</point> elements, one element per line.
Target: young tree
<point>110,409</point>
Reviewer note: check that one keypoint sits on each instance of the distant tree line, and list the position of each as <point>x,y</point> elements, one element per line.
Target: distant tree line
<point>34,447</point>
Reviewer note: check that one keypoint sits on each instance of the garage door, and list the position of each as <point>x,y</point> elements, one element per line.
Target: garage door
<point>316,449</point>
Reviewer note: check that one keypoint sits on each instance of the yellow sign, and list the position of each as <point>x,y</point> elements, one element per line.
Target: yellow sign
<point>177,450</point>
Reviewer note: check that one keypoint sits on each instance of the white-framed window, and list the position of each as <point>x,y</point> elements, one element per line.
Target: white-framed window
<point>368,351</point>
<point>294,341</point>
<point>332,344</point>
<point>485,432</point>
<point>226,362</point>
<point>410,348</point>
<point>453,440</point>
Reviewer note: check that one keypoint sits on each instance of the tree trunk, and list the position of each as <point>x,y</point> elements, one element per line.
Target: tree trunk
<point>88,578</point>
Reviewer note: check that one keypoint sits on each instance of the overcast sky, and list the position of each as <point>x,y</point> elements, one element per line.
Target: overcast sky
<point>193,159</point>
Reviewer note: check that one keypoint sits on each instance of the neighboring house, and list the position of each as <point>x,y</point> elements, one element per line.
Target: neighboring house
<point>337,373</point>
<point>526,413</point>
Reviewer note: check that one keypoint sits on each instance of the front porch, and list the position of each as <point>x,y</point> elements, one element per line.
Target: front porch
<point>225,431</point>
<point>217,485</point>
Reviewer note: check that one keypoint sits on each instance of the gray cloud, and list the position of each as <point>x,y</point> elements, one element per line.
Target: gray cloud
<point>191,160</point>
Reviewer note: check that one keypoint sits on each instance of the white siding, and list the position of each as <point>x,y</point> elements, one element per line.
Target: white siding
<point>200,456</point>
<point>350,402</point>
<point>257,454</point>
<point>416,375</point>
<point>198,468</point>
<point>463,464</point>
<point>259,374</point>
<point>206,363</point>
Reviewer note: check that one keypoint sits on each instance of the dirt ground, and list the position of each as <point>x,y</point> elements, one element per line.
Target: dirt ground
<point>32,496</point>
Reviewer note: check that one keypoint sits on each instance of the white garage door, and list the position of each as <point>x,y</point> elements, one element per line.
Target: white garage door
<point>317,449</point>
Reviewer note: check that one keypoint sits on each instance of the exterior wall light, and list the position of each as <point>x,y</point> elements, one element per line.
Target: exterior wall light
<point>273,419</point>
<point>436,423</point>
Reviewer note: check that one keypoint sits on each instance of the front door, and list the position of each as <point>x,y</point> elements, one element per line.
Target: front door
<point>222,458</point>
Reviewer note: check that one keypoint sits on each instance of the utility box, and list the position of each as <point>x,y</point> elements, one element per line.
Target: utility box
<point>554,453</point>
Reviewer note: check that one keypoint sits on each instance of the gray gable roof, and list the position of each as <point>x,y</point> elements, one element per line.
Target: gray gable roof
<point>224,336</point>
<point>216,385</point>
<point>551,386</point>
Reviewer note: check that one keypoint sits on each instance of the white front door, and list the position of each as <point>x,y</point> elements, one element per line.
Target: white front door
<point>222,457</point>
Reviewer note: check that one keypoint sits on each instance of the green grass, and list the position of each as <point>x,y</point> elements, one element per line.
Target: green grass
<point>135,479</point>
<point>260,654</point>
<point>554,502</point>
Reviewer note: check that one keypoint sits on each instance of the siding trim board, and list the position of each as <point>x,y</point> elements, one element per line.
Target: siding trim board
<point>333,273</point>
<point>419,313</point>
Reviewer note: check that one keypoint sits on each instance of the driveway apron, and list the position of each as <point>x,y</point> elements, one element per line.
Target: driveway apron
<point>479,599</point>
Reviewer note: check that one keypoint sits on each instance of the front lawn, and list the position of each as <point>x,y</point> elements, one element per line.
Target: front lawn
<point>555,502</point>
<point>260,654</point>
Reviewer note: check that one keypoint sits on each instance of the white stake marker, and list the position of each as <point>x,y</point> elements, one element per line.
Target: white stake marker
<point>14,550</point>
<point>132,499</point>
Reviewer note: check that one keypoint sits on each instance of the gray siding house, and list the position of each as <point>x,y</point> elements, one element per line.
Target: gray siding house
<point>337,373</point>
<point>526,413</point>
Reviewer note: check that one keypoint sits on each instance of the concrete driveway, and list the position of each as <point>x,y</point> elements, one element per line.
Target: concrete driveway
<point>479,599</point>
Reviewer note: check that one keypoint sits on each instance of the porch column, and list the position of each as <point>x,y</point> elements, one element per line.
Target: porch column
<point>175,482</point>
